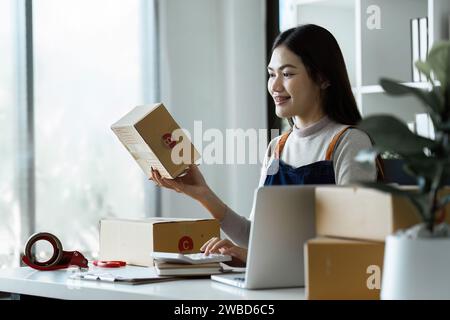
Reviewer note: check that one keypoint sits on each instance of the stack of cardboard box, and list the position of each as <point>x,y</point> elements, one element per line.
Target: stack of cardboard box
<point>346,260</point>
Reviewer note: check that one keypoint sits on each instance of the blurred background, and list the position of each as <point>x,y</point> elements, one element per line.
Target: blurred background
<point>69,69</point>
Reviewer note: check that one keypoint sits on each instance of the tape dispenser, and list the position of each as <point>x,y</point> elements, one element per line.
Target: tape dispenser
<point>60,259</point>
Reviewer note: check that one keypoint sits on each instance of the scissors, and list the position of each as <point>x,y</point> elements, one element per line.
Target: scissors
<point>60,259</point>
<point>109,264</point>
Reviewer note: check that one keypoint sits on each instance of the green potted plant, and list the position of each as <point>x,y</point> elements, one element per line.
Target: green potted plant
<point>417,260</point>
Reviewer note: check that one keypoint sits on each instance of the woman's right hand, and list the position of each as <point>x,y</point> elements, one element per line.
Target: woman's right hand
<point>192,183</point>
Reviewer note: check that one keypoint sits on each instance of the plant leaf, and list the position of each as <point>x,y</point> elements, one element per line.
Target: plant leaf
<point>422,166</point>
<point>445,126</point>
<point>439,61</point>
<point>391,134</point>
<point>446,174</point>
<point>425,68</point>
<point>430,100</point>
<point>443,202</point>
<point>367,158</point>
<point>366,155</point>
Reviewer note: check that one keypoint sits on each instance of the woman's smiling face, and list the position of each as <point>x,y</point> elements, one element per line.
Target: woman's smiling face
<point>294,92</point>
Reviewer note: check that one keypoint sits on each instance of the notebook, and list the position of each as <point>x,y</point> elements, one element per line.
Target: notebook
<point>176,269</point>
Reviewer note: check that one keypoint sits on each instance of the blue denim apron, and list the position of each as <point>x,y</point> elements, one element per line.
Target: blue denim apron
<point>320,172</point>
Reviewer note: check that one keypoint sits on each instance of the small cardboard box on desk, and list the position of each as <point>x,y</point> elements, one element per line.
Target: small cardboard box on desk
<point>133,241</point>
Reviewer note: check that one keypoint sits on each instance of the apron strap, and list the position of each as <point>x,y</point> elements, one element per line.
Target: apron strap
<point>380,169</point>
<point>280,145</point>
<point>378,161</point>
<point>334,142</point>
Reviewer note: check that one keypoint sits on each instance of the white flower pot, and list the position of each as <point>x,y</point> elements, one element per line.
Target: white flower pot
<point>416,268</point>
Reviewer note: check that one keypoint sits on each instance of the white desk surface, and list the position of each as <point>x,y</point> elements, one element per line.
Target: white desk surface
<point>56,284</point>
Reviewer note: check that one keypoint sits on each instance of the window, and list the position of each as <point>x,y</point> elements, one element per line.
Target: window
<point>91,66</point>
<point>9,208</point>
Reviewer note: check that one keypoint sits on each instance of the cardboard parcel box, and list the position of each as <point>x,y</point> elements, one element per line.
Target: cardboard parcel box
<point>154,139</point>
<point>134,240</point>
<point>343,269</point>
<point>363,213</point>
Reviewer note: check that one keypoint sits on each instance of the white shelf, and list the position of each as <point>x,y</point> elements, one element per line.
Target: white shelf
<point>337,3</point>
<point>379,89</point>
<point>386,52</point>
<point>371,53</point>
<point>402,107</point>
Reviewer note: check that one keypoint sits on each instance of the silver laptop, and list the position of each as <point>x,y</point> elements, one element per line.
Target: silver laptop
<point>284,219</point>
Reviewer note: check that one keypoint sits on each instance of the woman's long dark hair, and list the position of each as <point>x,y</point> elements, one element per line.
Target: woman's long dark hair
<point>322,57</point>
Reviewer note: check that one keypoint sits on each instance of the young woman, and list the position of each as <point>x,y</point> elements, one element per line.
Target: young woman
<point>309,84</point>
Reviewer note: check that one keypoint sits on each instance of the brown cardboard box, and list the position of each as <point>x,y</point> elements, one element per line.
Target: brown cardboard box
<point>363,213</point>
<point>343,269</point>
<point>153,138</point>
<point>134,240</point>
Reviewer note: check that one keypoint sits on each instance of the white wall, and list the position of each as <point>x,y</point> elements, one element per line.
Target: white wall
<point>441,19</point>
<point>213,69</point>
<point>341,23</point>
<point>386,52</point>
